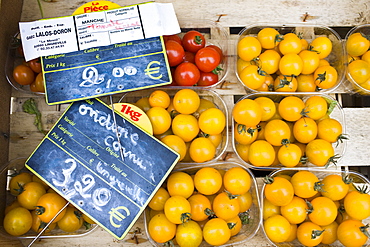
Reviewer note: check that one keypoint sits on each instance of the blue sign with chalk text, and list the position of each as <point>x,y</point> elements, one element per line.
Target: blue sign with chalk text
<point>106,166</point>
<point>105,70</point>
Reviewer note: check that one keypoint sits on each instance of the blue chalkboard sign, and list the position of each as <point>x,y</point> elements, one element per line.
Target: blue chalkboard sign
<point>80,158</point>
<point>105,70</point>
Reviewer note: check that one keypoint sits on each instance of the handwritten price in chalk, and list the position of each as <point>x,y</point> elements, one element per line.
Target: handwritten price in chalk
<point>85,187</point>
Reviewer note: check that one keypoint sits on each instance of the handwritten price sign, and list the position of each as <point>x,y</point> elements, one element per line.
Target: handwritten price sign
<point>81,159</point>
<point>105,70</point>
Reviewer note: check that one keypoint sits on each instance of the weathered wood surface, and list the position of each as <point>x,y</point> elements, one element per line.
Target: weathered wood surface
<point>25,137</point>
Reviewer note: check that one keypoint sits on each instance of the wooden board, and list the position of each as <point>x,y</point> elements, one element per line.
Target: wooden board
<point>25,137</point>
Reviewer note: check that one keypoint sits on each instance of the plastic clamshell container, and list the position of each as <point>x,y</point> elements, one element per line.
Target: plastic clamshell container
<point>15,166</point>
<point>210,95</point>
<point>337,114</point>
<point>214,34</point>
<point>354,86</point>
<point>358,179</point>
<point>12,60</point>
<point>308,32</point>
<point>248,231</point>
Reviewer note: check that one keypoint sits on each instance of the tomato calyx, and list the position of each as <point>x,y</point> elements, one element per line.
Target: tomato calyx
<point>321,77</point>
<point>310,48</point>
<point>217,70</point>
<point>40,210</point>
<point>363,229</point>
<point>21,188</point>
<point>285,142</point>
<point>87,225</point>
<point>346,179</point>
<point>243,128</point>
<point>318,186</point>
<point>209,212</point>
<point>174,113</point>
<point>340,138</point>
<point>278,38</point>
<point>284,82</point>
<point>198,39</point>
<point>169,244</point>
<point>231,196</point>
<point>268,180</point>
<point>333,159</point>
<point>316,233</point>
<point>303,160</point>
<point>185,217</point>
<point>244,217</point>
<point>365,189</point>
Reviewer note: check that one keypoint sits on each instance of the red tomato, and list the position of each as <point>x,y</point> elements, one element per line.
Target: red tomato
<point>207,59</point>
<point>175,52</point>
<point>189,57</point>
<point>173,37</point>
<point>218,49</point>
<point>186,74</point>
<point>207,79</point>
<point>193,41</point>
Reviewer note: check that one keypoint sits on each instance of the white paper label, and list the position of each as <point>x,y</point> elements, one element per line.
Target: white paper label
<point>80,32</point>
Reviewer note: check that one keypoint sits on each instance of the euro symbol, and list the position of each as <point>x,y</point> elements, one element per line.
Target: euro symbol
<point>117,215</point>
<point>149,71</point>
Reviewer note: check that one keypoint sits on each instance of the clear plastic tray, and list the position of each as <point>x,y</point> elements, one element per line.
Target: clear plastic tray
<point>247,231</point>
<point>17,165</point>
<point>337,114</point>
<point>215,34</point>
<point>358,179</point>
<point>354,86</point>
<point>13,59</point>
<point>211,95</point>
<point>309,32</point>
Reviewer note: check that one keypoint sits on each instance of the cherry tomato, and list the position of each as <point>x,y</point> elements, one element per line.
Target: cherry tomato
<point>291,64</point>
<point>160,119</point>
<point>322,211</point>
<point>202,149</point>
<point>320,152</point>
<point>161,229</point>
<point>186,101</point>
<point>174,37</point>
<point>247,112</point>
<point>269,37</point>
<point>207,59</point>
<point>325,77</point>
<point>208,180</point>
<point>189,234</point>
<point>330,130</point>
<point>291,108</point>
<point>330,233</point>
<point>49,205</point>
<point>357,44</point>
<point>322,46</point>
<point>283,83</point>
<point>18,181</point>
<point>31,192</point>
<point>249,48</point>
<point>175,143</point>
<point>305,130</point>
<point>23,74</point>
<point>357,204</point>
<point>252,76</point>
<point>38,225</point>
<point>268,107</point>
<point>199,203</point>
<point>269,61</point>
<point>269,209</point>
<point>309,234</point>
<point>35,65</point>
<point>225,207</point>
<point>216,232</point>
<point>158,200</point>
<point>277,132</point>
<point>295,211</point>
<point>277,228</point>
<point>305,184</point>
<point>175,52</point>
<point>245,201</point>
<point>177,209</point>
<point>18,221</point>
<point>71,221</point>
<point>189,57</point>
<point>306,83</point>
<point>180,184</point>
<point>335,187</point>
<point>261,153</point>
<point>235,224</point>
<point>359,71</point>
<point>212,121</point>
<point>159,98</point>
<point>310,61</point>
<point>193,41</point>
<point>218,49</point>
<point>242,151</point>
<point>290,44</point>
<point>185,126</point>
<point>186,74</point>
<point>289,155</point>
<point>316,107</point>
<point>279,191</point>
<point>207,79</point>
<point>351,233</point>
